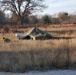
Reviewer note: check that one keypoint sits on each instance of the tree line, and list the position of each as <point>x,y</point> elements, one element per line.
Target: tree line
<point>21,12</point>
<point>61,18</point>
<point>21,8</point>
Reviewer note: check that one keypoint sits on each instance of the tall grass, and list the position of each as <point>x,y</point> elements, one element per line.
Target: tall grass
<point>22,55</point>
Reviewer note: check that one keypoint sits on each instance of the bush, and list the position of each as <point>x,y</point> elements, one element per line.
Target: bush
<point>6,29</point>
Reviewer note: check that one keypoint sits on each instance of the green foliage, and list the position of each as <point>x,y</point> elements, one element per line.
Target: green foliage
<point>45,19</point>
<point>26,20</point>
<point>2,17</point>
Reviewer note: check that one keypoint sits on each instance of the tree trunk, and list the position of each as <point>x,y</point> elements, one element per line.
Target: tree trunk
<point>20,20</point>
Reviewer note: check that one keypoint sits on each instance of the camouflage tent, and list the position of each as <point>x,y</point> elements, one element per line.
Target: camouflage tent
<point>35,34</point>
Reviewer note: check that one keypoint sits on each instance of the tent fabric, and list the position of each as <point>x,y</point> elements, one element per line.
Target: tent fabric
<point>35,32</point>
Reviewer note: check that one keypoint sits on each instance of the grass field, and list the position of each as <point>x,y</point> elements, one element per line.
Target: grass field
<point>21,55</point>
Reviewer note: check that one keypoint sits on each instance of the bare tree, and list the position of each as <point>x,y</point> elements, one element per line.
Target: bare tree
<point>22,8</point>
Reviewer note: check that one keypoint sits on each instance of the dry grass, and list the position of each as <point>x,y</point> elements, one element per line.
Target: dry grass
<point>22,55</point>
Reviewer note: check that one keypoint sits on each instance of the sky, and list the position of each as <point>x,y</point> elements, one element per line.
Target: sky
<point>56,6</point>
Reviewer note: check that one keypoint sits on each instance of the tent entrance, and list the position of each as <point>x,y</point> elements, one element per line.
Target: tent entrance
<point>27,37</point>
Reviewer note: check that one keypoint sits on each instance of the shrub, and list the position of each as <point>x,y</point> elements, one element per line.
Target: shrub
<point>6,29</point>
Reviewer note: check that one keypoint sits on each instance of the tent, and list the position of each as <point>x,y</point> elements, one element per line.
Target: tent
<point>35,34</point>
